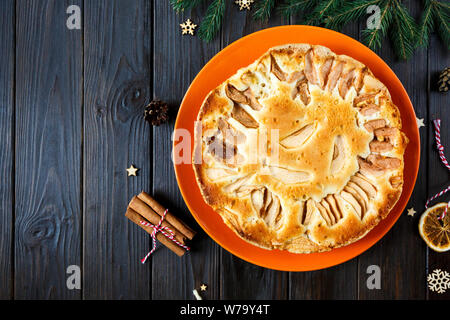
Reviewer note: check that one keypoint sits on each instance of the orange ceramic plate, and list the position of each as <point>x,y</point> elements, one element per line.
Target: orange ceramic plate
<point>241,54</point>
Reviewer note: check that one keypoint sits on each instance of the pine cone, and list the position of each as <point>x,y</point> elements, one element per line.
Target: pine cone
<point>157,112</point>
<point>444,80</point>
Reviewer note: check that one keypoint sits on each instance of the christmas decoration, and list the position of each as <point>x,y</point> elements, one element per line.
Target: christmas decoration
<point>440,147</point>
<point>157,112</point>
<point>132,171</point>
<point>411,212</point>
<point>188,27</point>
<point>151,216</point>
<point>203,287</point>
<point>196,294</point>
<point>394,19</point>
<point>244,4</point>
<point>444,80</point>
<point>166,231</point>
<point>434,230</point>
<point>420,123</point>
<point>438,281</point>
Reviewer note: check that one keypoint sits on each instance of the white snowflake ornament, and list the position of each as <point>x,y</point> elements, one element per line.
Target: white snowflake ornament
<point>244,4</point>
<point>188,27</point>
<point>439,281</point>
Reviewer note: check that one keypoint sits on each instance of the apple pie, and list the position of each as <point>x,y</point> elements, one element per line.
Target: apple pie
<point>301,150</point>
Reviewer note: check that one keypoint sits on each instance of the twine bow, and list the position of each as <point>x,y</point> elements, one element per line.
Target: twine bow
<point>166,231</point>
<point>440,147</point>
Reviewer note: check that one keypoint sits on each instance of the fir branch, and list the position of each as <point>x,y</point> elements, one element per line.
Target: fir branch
<point>426,25</point>
<point>321,11</point>
<point>402,46</point>
<point>182,5</point>
<point>349,11</point>
<point>263,9</point>
<point>435,14</point>
<point>373,37</point>
<point>403,34</point>
<point>442,5</point>
<point>442,16</point>
<point>291,8</point>
<point>406,22</point>
<point>212,21</point>
<point>403,31</point>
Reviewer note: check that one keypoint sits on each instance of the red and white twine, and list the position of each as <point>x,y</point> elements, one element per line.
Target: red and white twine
<point>440,147</point>
<point>437,130</point>
<point>165,231</point>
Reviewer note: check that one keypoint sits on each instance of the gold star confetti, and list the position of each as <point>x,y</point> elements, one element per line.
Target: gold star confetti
<point>411,212</point>
<point>132,171</point>
<point>420,123</point>
<point>188,27</point>
<point>244,4</point>
<point>203,287</point>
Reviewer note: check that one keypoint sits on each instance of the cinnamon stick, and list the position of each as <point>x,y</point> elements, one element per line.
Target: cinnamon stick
<point>151,216</point>
<point>174,221</point>
<point>137,218</point>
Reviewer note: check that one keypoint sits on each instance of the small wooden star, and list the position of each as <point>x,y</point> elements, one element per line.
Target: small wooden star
<point>132,171</point>
<point>188,27</point>
<point>203,287</point>
<point>411,212</point>
<point>420,123</point>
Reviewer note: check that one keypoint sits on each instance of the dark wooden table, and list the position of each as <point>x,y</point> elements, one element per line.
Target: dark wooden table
<point>71,105</point>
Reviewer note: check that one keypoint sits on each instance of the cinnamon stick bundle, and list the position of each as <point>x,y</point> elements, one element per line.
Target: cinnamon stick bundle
<point>137,218</point>
<point>144,208</point>
<point>170,218</point>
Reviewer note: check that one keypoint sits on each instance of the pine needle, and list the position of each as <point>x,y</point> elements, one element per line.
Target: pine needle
<point>291,8</point>
<point>349,11</point>
<point>445,6</point>
<point>321,11</point>
<point>407,22</point>
<point>426,25</point>
<point>401,41</point>
<point>403,32</point>
<point>373,37</point>
<point>442,16</point>
<point>435,15</point>
<point>263,9</point>
<point>182,5</point>
<point>212,21</point>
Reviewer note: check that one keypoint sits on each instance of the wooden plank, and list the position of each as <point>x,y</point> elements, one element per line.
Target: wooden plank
<point>339,282</point>
<point>117,87</point>
<point>401,253</point>
<point>7,27</point>
<point>238,278</point>
<point>48,145</point>
<point>336,283</point>
<point>177,59</point>
<point>438,174</point>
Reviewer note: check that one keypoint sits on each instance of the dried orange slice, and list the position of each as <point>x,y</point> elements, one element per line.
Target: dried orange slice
<point>435,232</point>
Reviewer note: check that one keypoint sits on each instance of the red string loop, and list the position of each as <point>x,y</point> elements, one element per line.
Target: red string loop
<point>166,231</point>
<point>440,147</point>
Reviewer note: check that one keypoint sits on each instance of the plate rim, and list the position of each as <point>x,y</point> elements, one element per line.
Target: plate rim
<point>407,195</point>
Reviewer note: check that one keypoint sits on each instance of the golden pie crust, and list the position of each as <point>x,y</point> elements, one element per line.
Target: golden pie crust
<point>301,150</point>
